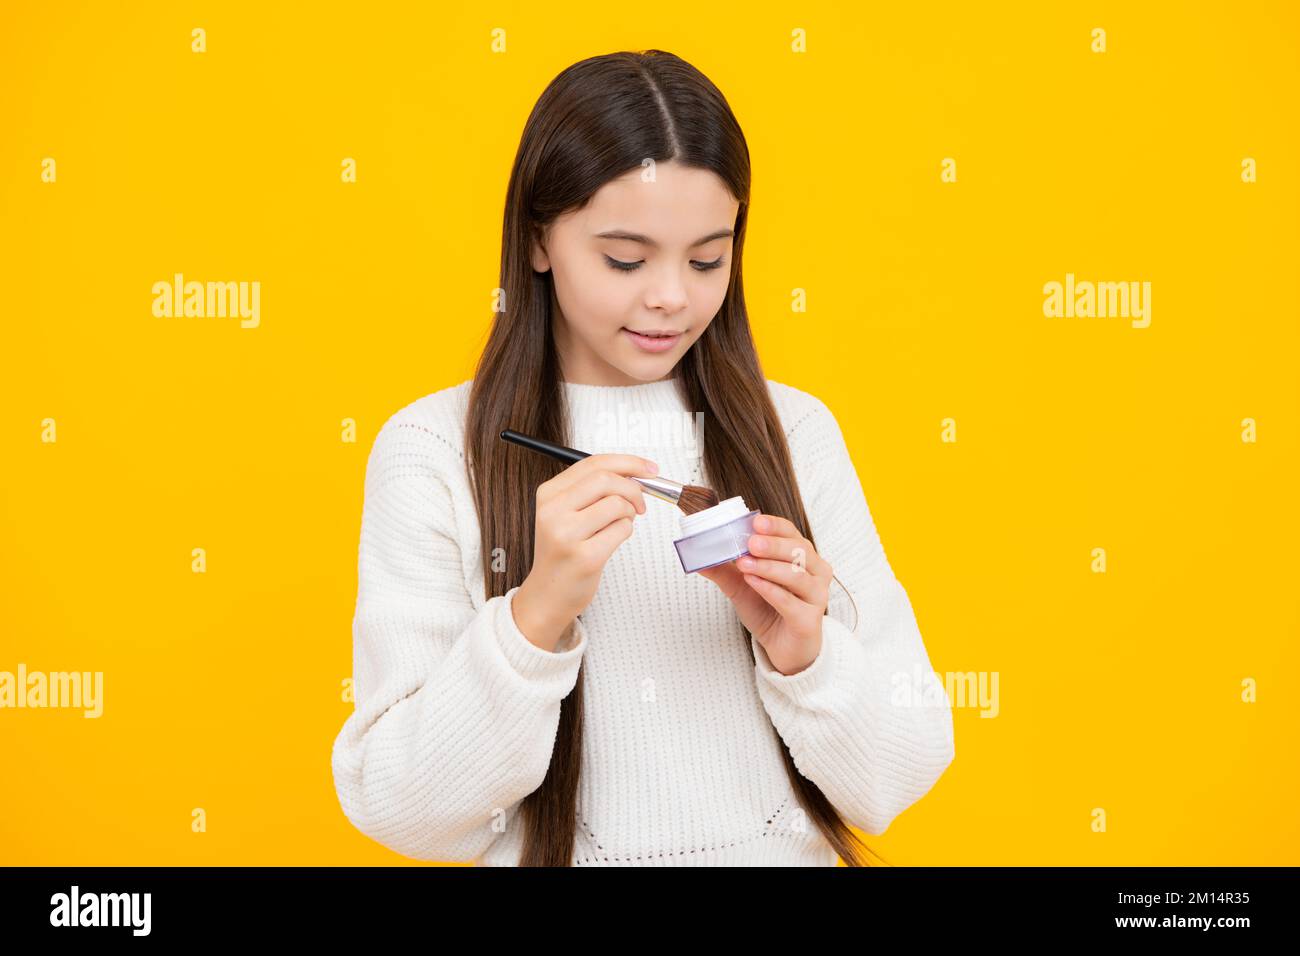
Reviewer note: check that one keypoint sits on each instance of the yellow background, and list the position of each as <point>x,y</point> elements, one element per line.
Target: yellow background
<point>222,690</point>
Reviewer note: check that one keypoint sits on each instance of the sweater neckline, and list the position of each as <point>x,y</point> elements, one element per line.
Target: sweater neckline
<point>598,405</point>
<point>661,395</point>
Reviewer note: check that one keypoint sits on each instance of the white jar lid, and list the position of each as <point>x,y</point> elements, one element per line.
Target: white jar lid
<point>719,514</point>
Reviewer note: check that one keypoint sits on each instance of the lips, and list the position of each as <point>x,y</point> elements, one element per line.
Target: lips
<point>649,341</point>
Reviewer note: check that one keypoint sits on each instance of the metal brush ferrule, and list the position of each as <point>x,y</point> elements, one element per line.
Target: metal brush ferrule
<point>662,488</point>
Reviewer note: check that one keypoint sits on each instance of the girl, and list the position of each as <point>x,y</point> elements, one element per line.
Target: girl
<point>537,680</point>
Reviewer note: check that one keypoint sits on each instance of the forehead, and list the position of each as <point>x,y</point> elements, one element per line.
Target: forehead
<point>679,206</point>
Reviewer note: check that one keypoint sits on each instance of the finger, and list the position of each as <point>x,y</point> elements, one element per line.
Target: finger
<point>807,587</point>
<point>726,576</point>
<point>594,518</point>
<point>786,604</point>
<point>600,484</point>
<point>796,550</point>
<point>619,464</point>
<point>612,535</point>
<point>776,525</point>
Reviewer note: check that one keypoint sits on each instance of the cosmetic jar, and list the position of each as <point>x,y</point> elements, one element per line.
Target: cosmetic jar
<point>715,535</point>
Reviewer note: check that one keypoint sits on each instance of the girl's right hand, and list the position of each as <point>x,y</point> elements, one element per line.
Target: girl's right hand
<point>583,514</point>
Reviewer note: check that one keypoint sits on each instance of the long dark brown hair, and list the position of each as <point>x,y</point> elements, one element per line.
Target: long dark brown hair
<point>598,119</point>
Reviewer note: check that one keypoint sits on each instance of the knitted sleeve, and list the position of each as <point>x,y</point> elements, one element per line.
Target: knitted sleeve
<point>456,711</point>
<point>868,720</point>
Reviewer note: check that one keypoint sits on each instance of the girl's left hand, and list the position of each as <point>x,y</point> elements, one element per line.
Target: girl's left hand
<point>780,590</point>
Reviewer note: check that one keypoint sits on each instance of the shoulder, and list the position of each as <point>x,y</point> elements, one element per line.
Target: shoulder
<point>801,412</point>
<point>438,416</point>
<point>424,437</point>
<point>823,465</point>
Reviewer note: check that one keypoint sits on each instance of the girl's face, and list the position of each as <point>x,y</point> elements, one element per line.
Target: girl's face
<point>640,257</point>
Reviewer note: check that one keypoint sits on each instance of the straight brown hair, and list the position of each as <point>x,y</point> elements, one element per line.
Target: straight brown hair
<point>598,119</point>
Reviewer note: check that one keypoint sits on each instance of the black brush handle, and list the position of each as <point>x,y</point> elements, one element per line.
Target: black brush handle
<point>560,452</point>
<point>664,489</point>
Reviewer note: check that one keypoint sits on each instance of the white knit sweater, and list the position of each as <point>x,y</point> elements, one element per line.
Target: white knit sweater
<point>456,711</point>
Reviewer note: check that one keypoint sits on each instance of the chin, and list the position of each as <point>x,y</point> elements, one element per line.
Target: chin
<point>646,376</point>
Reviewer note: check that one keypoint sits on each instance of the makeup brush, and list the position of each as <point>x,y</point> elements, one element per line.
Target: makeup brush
<point>689,498</point>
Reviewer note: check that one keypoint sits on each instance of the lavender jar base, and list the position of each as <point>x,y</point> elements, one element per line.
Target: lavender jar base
<point>711,546</point>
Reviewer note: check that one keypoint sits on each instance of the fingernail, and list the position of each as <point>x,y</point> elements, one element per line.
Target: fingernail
<point>760,523</point>
<point>651,467</point>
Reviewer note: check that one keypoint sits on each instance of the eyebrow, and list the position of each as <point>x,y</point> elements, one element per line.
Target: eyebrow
<point>647,241</point>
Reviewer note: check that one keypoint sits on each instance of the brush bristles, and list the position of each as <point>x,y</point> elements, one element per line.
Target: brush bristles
<point>696,498</point>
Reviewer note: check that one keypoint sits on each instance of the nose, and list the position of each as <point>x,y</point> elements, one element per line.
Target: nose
<point>668,292</point>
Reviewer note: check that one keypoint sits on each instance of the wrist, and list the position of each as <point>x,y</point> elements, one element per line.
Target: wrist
<point>540,628</point>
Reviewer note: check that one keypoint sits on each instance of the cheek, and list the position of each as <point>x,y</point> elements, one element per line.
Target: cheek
<point>709,301</point>
<point>593,298</point>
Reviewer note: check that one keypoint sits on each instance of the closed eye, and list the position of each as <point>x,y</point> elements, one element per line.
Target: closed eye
<point>622,266</point>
